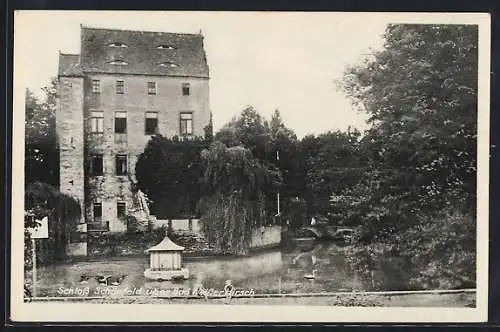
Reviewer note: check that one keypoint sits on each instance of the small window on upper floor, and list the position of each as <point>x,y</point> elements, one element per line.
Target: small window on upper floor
<point>169,64</point>
<point>97,121</point>
<point>96,86</point>
<point>117,44</point>
<point>166,47</point>
<point>186,123</point>
<point>120,87</point>
<point>151,125</point>
<point>120,122</point>
<point>186,89</point>
<point>151,88</point>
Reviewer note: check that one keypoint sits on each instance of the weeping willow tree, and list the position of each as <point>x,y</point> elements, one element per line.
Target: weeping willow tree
<point>233,202</point>
<point>63,212</point>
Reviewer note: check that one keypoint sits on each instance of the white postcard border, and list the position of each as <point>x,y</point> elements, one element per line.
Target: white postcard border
<point>77,312</point>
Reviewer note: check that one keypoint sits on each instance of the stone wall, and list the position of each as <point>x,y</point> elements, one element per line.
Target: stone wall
<point>266,237</point>
<point>262,237</point>
<point>69,128</point>
<point>192,225</point>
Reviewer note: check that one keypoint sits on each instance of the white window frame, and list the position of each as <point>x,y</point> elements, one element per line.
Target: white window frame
<point>96,122</point>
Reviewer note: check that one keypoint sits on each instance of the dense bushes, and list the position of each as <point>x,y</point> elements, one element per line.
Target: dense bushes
<point>63,214</point>
<point>436,253</point>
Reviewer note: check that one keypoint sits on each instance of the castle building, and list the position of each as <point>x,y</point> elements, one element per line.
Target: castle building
<point>124,87</point>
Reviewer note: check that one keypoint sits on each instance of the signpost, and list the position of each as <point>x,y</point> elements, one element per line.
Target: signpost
<point>39,232</point>
<point>278,194</point>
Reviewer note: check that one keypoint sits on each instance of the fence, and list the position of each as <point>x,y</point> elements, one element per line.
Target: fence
<point>192,225</point>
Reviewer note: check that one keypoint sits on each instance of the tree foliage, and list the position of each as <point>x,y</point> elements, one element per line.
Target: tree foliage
<point>63,212</point>
<point>168,172</point>
<point>234,202</point>
<point>418,191</point>
<point>41,147</point>
<point>273,144</point>
<point>421,94</point>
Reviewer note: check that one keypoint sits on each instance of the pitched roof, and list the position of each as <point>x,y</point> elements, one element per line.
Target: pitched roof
<point>166,245</point>
<point>69,65</point>
<point>141,52</point>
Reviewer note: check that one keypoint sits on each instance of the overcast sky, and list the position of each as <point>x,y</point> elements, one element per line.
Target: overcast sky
<point>285,61</point>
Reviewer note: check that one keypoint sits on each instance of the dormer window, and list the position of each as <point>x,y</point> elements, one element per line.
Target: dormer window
<point>166,47</point>
<point>169,64</point>
<point>117,44</point>
<point>118,62</point>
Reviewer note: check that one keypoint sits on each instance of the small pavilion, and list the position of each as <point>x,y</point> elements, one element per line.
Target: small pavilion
<point>165,262</point>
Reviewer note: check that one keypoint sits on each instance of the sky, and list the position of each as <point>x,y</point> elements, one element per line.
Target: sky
<point>284,61</point>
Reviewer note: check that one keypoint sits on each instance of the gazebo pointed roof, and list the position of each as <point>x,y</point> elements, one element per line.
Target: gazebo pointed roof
<point>166,245</point>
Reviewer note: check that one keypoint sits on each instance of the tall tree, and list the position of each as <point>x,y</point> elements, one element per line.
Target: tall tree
<point>421,94</point>
<point>418,195</point>
<point>274,145</point>
<point>250,130</point>
<point>233,203</point>
<point>168,172</point>
<point>41,149</point>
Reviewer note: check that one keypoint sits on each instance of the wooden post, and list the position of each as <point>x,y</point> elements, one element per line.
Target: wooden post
<point>278,203</point>
<point>278,193</point>
<point>33,257</point>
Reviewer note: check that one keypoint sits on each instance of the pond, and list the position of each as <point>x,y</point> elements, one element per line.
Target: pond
<point>278,271</point>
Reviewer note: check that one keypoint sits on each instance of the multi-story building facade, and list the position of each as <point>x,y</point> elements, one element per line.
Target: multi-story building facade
<point>124,87</point>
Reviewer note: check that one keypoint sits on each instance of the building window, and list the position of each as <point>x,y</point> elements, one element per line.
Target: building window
<point>96,86</point>
<point>117,44</point>
<point>97,211</point>
<point>151,123</point>
<point>121,209</point>
<point>97,121</point>
<point>96,165</point>
<point>186,123</point>
<point>165,47</point>
<point>151,88</point>
<point>186,89</point>
<point>120,122</point>
<point>118,62</point>
<point>168,64</point>
<point>120,87</point>
<point>121,164</point>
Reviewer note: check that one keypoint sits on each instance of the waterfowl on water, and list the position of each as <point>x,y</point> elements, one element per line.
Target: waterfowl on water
<point>103,279</point>
<point>84,279</point>
<point>311,276</point>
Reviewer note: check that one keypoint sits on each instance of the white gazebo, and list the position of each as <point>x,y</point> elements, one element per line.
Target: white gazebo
<point>165,262</point>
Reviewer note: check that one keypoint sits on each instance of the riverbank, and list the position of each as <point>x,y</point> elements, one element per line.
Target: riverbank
<point>454,299</point>
<point>136,244</point>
